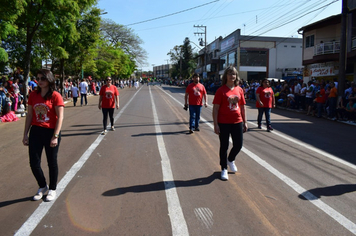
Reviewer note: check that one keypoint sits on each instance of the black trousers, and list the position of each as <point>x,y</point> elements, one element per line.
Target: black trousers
<point>41,138</point>
<point>107,111</point>
<point>236,131</point>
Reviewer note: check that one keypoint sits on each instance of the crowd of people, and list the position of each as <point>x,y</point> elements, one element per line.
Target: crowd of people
<point>315,98</point>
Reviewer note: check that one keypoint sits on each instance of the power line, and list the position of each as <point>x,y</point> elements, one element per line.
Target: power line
<point>175,13</point>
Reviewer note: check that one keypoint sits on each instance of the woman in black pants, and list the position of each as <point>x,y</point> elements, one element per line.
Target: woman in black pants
<point>229,115</point>
<point>108,100</point>
<point>44,122</point>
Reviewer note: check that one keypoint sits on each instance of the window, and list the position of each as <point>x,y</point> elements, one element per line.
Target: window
<point>223,61</point>
<point>231,59</point>
<point>253,58</point>
<point>309,41</point>
<point>293,46</point>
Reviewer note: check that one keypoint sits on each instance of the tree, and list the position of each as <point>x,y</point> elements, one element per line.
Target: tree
<point>183,59</point>
<point>113,61</point>
<point>126,39</point>
<point>52,20</point>
<point>9,11</point>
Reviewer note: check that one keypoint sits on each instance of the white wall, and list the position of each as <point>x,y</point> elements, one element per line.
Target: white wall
<point>289,55</point>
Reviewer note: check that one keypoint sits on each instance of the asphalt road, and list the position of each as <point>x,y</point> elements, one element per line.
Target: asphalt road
<point>150,177</point>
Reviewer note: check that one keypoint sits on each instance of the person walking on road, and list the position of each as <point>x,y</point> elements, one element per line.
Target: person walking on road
<point>83,87</point>
<point>108,97</point>
<point>265,101</point>
<point>74,93</point>
<point>43,123</point>
<point>195,92</point>
<point>229,116</point>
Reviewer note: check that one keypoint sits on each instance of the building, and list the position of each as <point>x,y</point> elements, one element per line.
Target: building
<point>321,48</point>
<point>255,57</point>
<point>162,71</point>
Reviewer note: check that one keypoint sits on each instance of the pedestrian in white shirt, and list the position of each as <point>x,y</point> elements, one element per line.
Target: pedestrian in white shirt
<point>83,87</point>
<point>74,93</point>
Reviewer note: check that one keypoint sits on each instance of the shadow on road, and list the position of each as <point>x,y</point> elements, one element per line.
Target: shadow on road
<point>163,133</point>
<point>330,191</point>
<point>7,203</point>
<point>160,186</point>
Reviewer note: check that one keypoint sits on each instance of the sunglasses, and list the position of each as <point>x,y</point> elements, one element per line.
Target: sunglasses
<point>108,80</point>
<point>41,79</point>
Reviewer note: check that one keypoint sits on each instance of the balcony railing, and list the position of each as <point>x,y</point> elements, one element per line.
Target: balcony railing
<point>327,48</point>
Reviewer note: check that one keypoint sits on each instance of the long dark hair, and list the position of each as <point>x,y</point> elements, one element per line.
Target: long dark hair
<point>50,78</point>
<point>230,69</point>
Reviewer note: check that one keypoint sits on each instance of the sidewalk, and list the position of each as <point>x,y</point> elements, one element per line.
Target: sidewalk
<point>323,117</point>
<point>304,112</point>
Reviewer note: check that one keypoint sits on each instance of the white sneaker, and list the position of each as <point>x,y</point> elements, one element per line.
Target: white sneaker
<point>51,195</point>
<point>224,174</point>
<point>104,132</point>
<point>112,128</point>
<point>40,193</point>
<point>232,166</point>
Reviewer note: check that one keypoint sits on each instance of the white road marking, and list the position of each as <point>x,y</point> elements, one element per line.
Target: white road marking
<point>32,222</point>
<point>305,145</point>
<point>205,216</point>
<point>179,225</point>
<point>342,220</point>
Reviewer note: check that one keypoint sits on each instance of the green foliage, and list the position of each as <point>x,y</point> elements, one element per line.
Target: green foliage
<point>183,60</point>
<point>67,33</point>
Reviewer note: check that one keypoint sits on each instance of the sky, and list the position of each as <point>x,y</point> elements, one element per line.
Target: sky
<point>163,24</point>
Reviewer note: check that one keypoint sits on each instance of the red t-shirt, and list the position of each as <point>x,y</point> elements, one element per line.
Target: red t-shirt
<point>195,93</point>
<point>230,102</point>
<point>108,95</point>
<point>266,97</point>
<point>320,98</point>
<point>44,113</point>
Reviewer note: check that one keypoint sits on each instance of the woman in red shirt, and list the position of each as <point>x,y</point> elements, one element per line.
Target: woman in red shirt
<point>109,95</point>
<point>44,117</point>
<point>264,103</point>
<point>229,116</point>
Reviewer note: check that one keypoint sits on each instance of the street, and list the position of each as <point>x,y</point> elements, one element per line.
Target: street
<point>150,177</point>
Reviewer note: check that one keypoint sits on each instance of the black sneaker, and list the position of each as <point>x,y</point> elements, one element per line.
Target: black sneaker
<point>269,128</point>
<point>191,131</point>
<point>196,129</point>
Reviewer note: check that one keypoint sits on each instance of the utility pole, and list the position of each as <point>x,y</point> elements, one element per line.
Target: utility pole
<point>205,49</point>
<point>343,50</point>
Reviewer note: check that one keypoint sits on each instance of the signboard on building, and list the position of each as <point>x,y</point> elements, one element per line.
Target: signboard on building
<point>326,71</point>
<point>228,43</point>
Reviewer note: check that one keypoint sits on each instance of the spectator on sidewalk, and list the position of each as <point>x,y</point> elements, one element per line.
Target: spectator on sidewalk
<point>297,89</point>
<point>309,97</point>
<point>32,84</point>
<point>319,101</point>
<point>332,100</point>
<point>351,111</point>
<point>7,115</point>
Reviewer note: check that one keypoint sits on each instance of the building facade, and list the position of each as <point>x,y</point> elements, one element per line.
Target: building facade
<point>162,71</point>
<point>321,48</point>
<point>255,57</point>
